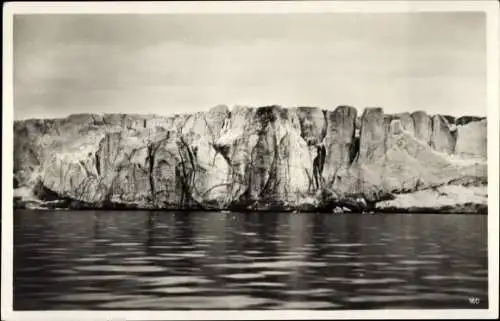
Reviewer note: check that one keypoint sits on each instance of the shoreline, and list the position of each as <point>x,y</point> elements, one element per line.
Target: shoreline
<point>227,212</point>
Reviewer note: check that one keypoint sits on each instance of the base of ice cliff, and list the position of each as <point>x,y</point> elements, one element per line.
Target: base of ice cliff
<point>254,159</point>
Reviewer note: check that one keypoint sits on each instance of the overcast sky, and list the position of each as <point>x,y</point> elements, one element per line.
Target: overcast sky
<point>167,64</point>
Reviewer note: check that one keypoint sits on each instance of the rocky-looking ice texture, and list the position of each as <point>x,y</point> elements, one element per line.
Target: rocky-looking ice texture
<point>266,158</point>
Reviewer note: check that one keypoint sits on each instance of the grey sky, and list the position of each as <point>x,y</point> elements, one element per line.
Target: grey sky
<point>167,64</point>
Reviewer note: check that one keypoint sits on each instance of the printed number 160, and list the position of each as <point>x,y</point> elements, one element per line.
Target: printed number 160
<point>474,300</point>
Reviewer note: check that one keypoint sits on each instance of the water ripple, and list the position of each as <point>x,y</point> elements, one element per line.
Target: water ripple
<point>120,268</point>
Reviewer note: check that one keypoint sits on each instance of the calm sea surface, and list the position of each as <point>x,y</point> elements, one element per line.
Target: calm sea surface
<point>209,260</point>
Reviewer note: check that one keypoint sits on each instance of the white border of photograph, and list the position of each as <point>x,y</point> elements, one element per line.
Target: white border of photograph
<point>491,8</point>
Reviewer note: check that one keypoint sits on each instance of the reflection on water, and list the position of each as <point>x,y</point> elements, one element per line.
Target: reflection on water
<point>166,260</point>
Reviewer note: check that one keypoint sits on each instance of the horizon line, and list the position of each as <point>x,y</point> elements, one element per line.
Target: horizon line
<point>230,108</point>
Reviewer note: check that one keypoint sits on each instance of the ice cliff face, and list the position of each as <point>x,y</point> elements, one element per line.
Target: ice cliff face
<point>267,158</point>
